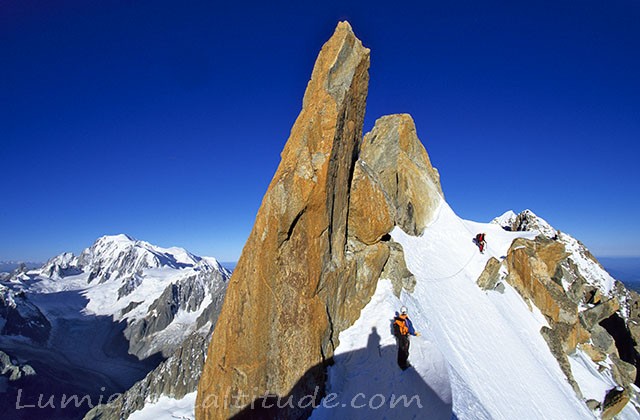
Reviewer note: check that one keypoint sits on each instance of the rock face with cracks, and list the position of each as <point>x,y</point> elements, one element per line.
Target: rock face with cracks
<point>320,241</point>
<point>403,170</point>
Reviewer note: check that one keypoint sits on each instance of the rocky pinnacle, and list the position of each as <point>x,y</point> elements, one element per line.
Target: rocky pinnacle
<point>319,244</point>
<point>272,334</point>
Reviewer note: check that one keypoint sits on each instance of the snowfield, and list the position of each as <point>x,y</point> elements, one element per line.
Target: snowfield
<point>167,408</point>
<point>367,380</point>
<point>480,355</point>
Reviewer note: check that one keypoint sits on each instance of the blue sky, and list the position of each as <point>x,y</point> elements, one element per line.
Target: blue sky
<point>165,120</point>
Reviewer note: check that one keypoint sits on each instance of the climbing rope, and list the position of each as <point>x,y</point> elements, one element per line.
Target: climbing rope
<point>438,279</point>
<point>466,264</point>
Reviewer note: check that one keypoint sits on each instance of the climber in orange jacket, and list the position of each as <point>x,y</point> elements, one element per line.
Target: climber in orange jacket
<point>402,329</point>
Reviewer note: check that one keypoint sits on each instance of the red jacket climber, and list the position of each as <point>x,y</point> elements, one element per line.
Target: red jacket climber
<point>481,242</point>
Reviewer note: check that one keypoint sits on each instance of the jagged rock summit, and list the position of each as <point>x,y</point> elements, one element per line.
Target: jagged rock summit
<point>320,241</point>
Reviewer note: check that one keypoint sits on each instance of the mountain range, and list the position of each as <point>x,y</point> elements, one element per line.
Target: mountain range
<point>105,319</point>
<point>352,227</point>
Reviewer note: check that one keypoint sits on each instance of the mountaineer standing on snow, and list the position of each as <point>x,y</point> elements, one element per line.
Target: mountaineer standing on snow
<point>402,328</point>
<point>481,242</point>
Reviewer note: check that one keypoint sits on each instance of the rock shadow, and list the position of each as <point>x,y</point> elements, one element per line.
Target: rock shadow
<point>366,384</point>
<point>624,342</point>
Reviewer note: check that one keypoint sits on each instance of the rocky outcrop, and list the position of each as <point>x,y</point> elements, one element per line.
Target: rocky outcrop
<point>14,371</point>
<point>614,402</point>
<point>633,322</point>
<point>320,240</point>
<point>490,275</point>
<point>151,334</point>
<point>368,222</point>
<point>597,313</point>
<point>531,266</point>
<point>19,316</point>
<point>403,171</point>
<point>276,326</point>
<point>396,270</point>
<point>581,313</point>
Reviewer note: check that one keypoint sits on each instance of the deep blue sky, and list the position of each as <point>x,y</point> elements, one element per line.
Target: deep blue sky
<point>165,120</point>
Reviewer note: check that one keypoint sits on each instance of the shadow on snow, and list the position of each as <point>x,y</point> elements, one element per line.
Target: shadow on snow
<point>365,384</point>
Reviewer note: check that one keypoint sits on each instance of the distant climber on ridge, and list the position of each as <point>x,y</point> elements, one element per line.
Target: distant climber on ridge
<point>402,328</point>
<point>480,241</point>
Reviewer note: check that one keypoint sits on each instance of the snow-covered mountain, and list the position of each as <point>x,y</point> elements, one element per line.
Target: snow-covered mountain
<point>525,221</point>
<point>124,257</point>
<point>158,292</point>
<point>133,297</point>
<point>506,220</point>
<point>179,321</point>
<point>60,266</point>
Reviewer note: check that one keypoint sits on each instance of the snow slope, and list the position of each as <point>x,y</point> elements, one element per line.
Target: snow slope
<point>480,355</point>
<point>366,378</point>
<point>167,408</point>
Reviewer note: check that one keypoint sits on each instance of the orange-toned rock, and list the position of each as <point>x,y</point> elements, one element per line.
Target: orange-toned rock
<point>370,210</point>
<point>276,328</point>
<point>614,402</point>
<point>551,253</point>
<point>531,264</point>
<point>319,244</point>
<point>402,167</point>
<point>577,335</point>
<point>593,352</point>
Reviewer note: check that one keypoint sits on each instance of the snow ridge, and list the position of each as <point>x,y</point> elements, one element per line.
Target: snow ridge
<point>472,344</point>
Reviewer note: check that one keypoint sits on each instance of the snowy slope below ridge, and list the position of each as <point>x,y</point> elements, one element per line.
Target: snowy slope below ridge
<point>473,343</point>
<point>167,408</point>
<point>365,374</point>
